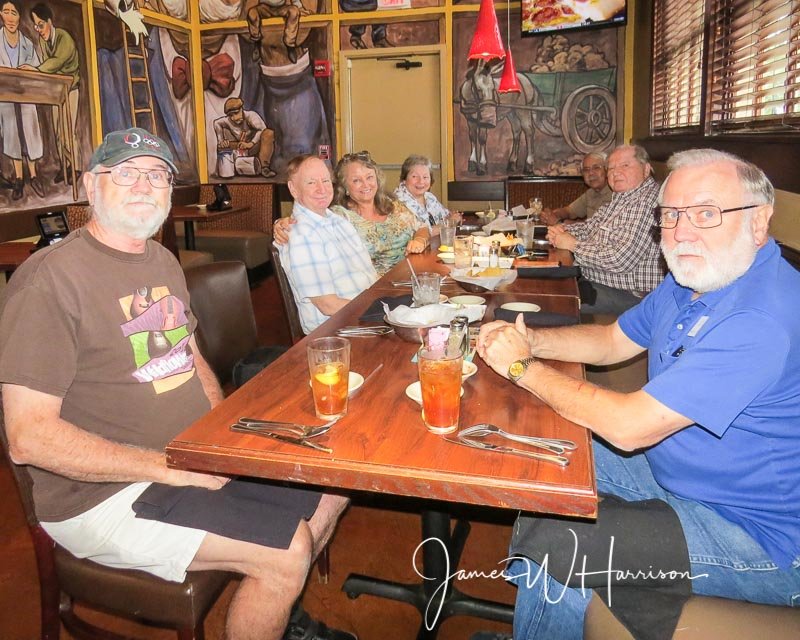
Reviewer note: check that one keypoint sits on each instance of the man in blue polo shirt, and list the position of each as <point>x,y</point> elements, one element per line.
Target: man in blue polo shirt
<point>324,259</point>
<point>716,430</point>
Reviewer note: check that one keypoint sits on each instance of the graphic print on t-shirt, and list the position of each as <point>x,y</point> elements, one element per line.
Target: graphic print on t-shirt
<point>158,330</point>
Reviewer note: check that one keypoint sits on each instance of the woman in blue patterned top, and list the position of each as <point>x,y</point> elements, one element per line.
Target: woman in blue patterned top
<point>414,192</point>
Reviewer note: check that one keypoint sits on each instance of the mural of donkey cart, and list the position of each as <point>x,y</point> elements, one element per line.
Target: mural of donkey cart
<point>577,105</point>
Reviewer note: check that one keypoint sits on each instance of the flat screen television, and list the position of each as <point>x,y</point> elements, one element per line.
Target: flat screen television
<point>548,16</point>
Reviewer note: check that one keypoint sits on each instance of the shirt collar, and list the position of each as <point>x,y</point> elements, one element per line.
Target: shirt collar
<point>304,213</point>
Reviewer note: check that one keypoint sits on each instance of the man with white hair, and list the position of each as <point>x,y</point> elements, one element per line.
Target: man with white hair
<point>100,370</point>
<point>617,249</point>
<point>593,169</point>
<point>715,433</point>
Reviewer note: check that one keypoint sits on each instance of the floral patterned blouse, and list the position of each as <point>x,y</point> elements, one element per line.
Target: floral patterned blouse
<point>386,241</point>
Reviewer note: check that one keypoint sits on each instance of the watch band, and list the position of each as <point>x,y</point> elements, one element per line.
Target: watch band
<point>518,368</point>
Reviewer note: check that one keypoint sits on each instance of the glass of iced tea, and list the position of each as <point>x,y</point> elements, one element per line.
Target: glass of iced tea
<point>440,382</point>
<point>329,367</point>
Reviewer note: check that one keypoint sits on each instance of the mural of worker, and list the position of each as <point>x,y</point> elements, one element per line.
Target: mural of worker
<point>357,31</point>
<point>290,11</point>
<point>59,55</point>
<point>244,144</point>
<point>16,50</point>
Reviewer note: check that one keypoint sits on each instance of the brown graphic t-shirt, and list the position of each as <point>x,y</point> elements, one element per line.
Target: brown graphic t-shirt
<point>109,333</point>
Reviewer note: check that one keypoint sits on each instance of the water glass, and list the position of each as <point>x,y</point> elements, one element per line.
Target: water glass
<point>425,288</point>
<point>535,206</point>
<point>440,385</point>
<point>447,234</point>
<point>462,247</point>
<point>525,230</point>
<point>329,368</point>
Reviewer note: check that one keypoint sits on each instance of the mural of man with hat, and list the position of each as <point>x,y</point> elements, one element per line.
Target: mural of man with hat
<point>243,134</point>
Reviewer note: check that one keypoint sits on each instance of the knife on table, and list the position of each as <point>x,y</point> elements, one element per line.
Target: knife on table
<point>561,461</point>
<point>283,437</point>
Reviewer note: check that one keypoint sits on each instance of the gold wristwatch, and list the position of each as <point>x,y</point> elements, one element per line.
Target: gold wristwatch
<point>517,368</point>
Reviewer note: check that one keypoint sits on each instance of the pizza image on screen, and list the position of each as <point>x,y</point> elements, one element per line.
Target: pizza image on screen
<point>546,15</point>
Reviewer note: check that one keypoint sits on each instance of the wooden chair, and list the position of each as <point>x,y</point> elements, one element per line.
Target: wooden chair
<point>65,579</point>
<point>287,297</point>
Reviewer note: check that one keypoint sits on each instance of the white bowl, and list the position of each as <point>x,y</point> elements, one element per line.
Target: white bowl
<point>521,306</point>
<point>468,369</point>
<point>354,381</point>
<point>414,392</point>
<point>448,257</point>
<point>467,301</point>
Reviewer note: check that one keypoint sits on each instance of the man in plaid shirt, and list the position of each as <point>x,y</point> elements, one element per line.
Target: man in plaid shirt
<point>617,248</point>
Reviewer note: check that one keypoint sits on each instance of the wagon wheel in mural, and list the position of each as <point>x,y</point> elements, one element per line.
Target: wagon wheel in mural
<point>588,119</point>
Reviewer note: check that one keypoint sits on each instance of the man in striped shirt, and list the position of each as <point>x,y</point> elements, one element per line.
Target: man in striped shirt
<point>324,259</point>
<point>617,248</point>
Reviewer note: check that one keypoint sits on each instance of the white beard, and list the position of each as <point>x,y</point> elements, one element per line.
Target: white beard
<point>135,227</point>
<point>220,10</point>
<point>718,271</point>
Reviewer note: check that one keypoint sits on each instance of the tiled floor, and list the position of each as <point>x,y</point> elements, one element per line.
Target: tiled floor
<point>377,536</point>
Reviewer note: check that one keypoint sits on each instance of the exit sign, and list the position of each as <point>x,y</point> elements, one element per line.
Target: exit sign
<point>394,4</point>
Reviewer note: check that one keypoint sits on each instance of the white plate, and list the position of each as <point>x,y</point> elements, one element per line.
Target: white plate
<point>354,381</point>
<point>521,306</point>
<point>413,391</point>
<point>467,301</point>
<point>448,257</point>
<point>468,369</point>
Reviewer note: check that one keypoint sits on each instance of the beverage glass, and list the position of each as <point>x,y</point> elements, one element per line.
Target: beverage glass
<point>535,206</point>
<point>440,384</point>
<point>447,234</point>
<point>525,229</point>
<point>329,367</point>
<point>462,247</point>
<point>425,289</point>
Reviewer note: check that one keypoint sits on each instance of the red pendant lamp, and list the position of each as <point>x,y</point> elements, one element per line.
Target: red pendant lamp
<point>508,81</point>
<point>486,43</point>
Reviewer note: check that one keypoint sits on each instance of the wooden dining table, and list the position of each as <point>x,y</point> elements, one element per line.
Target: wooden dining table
<point>382,446</point>
<point>191,213</point>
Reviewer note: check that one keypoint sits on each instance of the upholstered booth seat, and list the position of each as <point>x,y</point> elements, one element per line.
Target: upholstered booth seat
<point>705,618</point>
<point>244,245</point>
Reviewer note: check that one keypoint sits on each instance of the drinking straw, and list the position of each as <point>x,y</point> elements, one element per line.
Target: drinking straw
<point>413,273</point>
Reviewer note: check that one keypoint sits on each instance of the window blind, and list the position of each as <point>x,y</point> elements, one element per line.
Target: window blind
<point>755,65</point>
<point>677,65</point>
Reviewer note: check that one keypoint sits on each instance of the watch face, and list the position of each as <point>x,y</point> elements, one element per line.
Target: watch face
<point>516,369</point>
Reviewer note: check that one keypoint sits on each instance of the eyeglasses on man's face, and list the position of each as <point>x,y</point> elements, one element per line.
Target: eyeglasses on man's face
<point>126,176</point>
<point>702,216</point>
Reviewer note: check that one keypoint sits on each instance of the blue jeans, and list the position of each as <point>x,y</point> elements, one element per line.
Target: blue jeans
<point>725,561</point>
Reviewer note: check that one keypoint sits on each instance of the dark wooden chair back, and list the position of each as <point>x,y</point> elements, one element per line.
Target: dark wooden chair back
<point>64,579</point>
<point>220,299</point>
<point>289,306</point>
<point>553,192</point>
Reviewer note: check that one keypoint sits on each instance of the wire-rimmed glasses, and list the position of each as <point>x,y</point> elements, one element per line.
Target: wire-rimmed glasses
<point>702,216</point>
<point>125,176</point>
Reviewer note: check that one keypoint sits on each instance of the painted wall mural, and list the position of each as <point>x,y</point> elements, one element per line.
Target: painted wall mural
<point>399,34</point>
<point>566,108</point>
<point>274,108</point>
<point>40,143</point>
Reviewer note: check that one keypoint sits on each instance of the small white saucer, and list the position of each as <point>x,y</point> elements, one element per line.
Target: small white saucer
<point>414,392</point>
<point>448,257</point>
<point>354,381</point>
<point>468,369</point>
<point>521,306</point>
<point>467,300</point>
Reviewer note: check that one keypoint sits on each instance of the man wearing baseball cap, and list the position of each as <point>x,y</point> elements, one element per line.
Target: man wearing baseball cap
<point>91,399</point>
<point>243,134</point>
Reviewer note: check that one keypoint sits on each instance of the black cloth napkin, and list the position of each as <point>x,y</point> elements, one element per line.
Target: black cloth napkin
<point>537,318</point>
<point>244,509</point>
<point>375,312</point>
<point>649,563</point>
<point>550,273</point>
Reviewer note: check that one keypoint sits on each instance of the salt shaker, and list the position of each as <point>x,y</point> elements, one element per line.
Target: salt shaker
<point>494,255</point>
<point>459,335</point>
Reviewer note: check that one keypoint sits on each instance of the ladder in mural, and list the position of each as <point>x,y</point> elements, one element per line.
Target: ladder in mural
<point>140,92</point>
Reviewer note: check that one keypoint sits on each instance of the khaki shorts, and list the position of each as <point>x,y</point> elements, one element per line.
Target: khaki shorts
<point>112,535</point>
